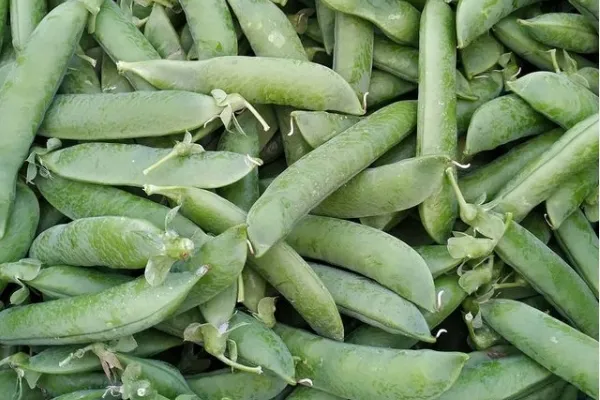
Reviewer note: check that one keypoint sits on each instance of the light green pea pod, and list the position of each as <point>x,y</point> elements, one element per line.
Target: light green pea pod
<point>398,60</point>
<point>591,76</point>
<point>317,127</point>
<point>503,120</point>
<point>481,55</point>
<point>211,28</point>
<point>57,385</point>
<point>326,20</point>
<point>160,33</point>
<point>463,88</point>
<point>308,393</point>
<point>237,385</point>
<point>385,87</point>
<point>438,259</point>
<point>255,289</point>
<point>110,79</point>
<point>569,31</point>
<point>21,226</point>
<point>294,145</point>
<point>398,20</point>
<point>360,298</point>
<point>80,77</point>
<point>486,87</point>
<point>25,15</point>
<point>523,325</point>
<point>353,51</point>
<point>385,222</point>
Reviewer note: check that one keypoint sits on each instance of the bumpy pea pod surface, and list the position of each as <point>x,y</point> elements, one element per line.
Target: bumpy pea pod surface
<point>237,385</point>
<point>317,127</point>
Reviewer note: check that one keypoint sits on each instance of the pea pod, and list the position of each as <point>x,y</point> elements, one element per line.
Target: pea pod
<point>402,61</point>
<point>160,33</point>
<point>325,90</point>
<point>235,385</point>
<point>294,146</point>
<point>481,55</point>
<point>24,18</point>
<point>308,393</point>
<point>310,180</point>
<point>92,318</point>
<point>21,225</point>
<point>567,31</point>
<point>176,325</point>
<point>486,87</point>
<point>8,379</point>
<point>317,127</point>
<point>57,385</point>
<point>3,18</point>
<point>384,373</point>
<point>385,87</point>
<point>326,20</point>
<point>92,394</point>
<point>536,224</point>
<point>590,74</point>
<point>80,77</point>
<point>522,325</point>
<point>110,80</point>
<point>400,152</point>
<point>438,259</point>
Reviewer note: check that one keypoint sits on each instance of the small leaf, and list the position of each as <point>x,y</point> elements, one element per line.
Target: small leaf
<point>125,344</point>
<point>19,296</point>
<point>32,378</point>
<point>157,269</point>
<point>171,216</point>
<point>232,350</point>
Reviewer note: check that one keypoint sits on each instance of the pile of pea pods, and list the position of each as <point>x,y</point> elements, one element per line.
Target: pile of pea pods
<point>299,199</point>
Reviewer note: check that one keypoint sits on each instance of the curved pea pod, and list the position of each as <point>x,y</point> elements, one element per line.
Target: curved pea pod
<point>503,120</point>
<point>326,21</point>
<point>352,371</point>
<point>438,259</point>
<point>255,289</point>
<point>372,304</point>
<point>309,393</point>
<point>481,55</point>
<point>57,385</point>
<point>485,87</point>
<point>237,385</point>
<point>83,200</point>
<point>492,177</point>
<point>162,35</point>
<point>110,80</point>
<point>403,150</point>
<point>398,60</point>
<point>360,248</point>
<point>93,316</point>
<point>21,225</point>
<point>498,372</point>
<point>570,195</point>
<point>325,90</point>
<point>101,116</point>
<point>80,77</point>
<point>397,19</point>
<point>569,31</point>
<point>310,180</point>
<point>297,282</point>
<point>569,104</point>
<point>317,127</point>
<point>523,326</point>
<point>136,165</point>
<point>579,241</point>
<point>577,148</point>
<point>294,146</point>
<point>24,18</point>
<point>31,88</point>
<point>10,389</point>
<point>407,183</point>
<point>385,87</point>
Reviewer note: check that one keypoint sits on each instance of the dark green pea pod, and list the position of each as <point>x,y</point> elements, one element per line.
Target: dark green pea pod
<point>49,217</point>
<point>353,371</point>
<point>326,20</point>
<point>110,79</point>
<point>590,74</point>
<point>57,385</point>
<point>49,323</point>
<point>3,19</point>
<point>294,145</point>
<point>589,8</point>
<point>570,393</point>
<point>162,35</point>
<point>343,243</point>
<point>400,152</point>
<point>503,120</point>
<point>536,223</point>
<point>481,55</point>
<point>92,394</point>
<point>385,87</point>
<point>522,325</point>
<point>569,31</point>
<point>373,304</point>
<point>308,393</point>
<point>176,325</point>
<point>21,225</point>
<point>80,77</point>
<point>386,189</point>
<point>398,60</point>
<point>152,341</point>
<point>237,385</point>
<point>438,259</point>
<point>485,87</point>
<point>463,88</point>
<point>326,90</point>
<point>297,282</point>
<point>12,388</point>
<point>590,206</point>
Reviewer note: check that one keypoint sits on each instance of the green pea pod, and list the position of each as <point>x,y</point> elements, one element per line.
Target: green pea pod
<point>322,171</point>
<point>579,241</point>
<point>481,55</point>
<point>176,325</point>
<point>536,224</point>
<point>570,103</point>
<point>255,289</point>
<point>389,188</point>
<point>308,393</point>
<point>571,195</point>
<point>436,114</point>
<point>80,77</point>
<point>294,145</point>
<point>83,200</point>
<point>591,76</point>
<point>21,225</point>
<point>523,325</point>
<point>326,20</point>
<point>588,8</point>
<point>3,19</point>
<point>398,20</point>
<point>570,393</point>
<point>491,178</point>
<point>24,18</point>
<point>385,222</point>
<point>569,31</point>
<point>353,51</point>
<point>353,371</point>
<point>282,267</point>
<point>503,120</point>
<point>57,385</point>
<point>486,87</point>
<point>49,216</point>
<point>110,79</point>
<point>136,165</point>
<point>29,87</point>
<point>325,90</point>
<point>342,243</point>
<point>92,394</point>
<point>93,319</point>
<point>237,385</point>
<point>438,259</point>
<point>152,341</point>
<point>398,60</point>
<point>317,127</point>
<point>366,301</point>
<point>122,40</point>
<point>400,152</point>
<point>385,87</point>
<point>160,33</point>
<point>10,389</point>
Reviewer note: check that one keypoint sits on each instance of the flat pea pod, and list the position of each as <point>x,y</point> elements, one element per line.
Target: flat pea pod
<point>385,87</point>
<point>589,8</point>
<point>486,87</point>
<point>162,36</point>
<point>325,90</point>
<point>57,385</point>
<point>317,127</point>
<point>570,104</point>
<point>353,371</point>
<point>353,51</point>
<point>21,226</point>
<point>386,189</point>
<point>237,385</point>
<point>438,259</point>
<point>92,394</point>
<point>436,113</point>
<point>80,77</point>
<point>567,31</point>
<point>11,390</point>
<point>297,282</point>
<point>308,393</point>
<point>326,21</point>
<point>523,326</point>
<point>397,19</point>
<point>344,243</point>
<point>166,112</point>
<point>30,88</point>
<point>122,40</point>
<point>402,61</point>
<point>125,164</point>
<point>83,200</point>
<point>480,55</point>
<point>590,74</point>
<point>324,170</point>
<point>363,299</point>
<point>579,241</point>
<point>498,372</point>
<point>25,15</point>
<point>93,318</point>
<point>110,79</point>
<point>294,146</point>
<point>503,120</point>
